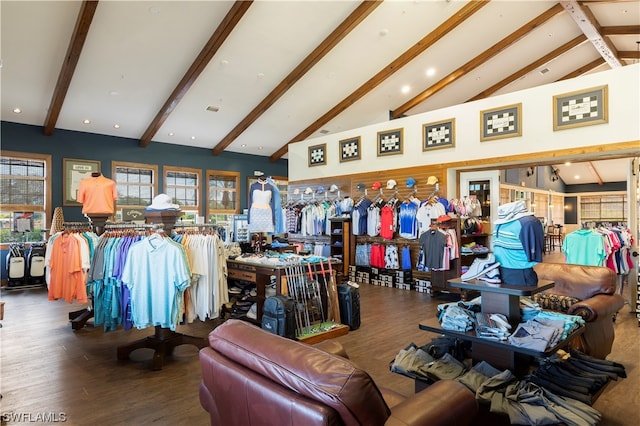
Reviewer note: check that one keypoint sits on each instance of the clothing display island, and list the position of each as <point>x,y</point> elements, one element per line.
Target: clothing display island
<point>500,299</point>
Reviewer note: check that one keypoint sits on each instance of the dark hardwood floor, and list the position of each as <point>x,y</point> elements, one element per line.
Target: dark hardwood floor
<point>47,368</point>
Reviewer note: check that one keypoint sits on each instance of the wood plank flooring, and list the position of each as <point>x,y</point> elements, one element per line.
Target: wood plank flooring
<point>46,367</point>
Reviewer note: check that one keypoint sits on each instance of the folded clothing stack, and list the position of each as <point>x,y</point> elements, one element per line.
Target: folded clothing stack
<point>492,326</point>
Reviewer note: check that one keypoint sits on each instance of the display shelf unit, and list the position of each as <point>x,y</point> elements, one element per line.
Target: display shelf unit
<point>343,244</point>
<point>502,299</point>
<point>440,280</point>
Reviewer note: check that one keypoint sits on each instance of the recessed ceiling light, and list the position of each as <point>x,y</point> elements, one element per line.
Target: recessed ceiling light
<point>576,177</point>
<point>171,133</point>
<point>193,138</point>
<point>405,89</point>
<point>224,62</point>
<point>17,110</point>
<point>260,75</point>
<point>567,163</point>
<point>86,121</point>
<point>430,72</point>
<point>384,32</point>
<point>244,145</point>
<point>113,93</point>
<point>116,126</point>
<point>260,148</point>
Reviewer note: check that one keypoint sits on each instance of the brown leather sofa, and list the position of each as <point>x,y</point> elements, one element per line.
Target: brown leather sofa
<point>252,377</point>
<point>595,288</point>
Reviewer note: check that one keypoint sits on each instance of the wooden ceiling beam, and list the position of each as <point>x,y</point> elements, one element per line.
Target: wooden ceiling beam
<point>595,173</point>
<point>584,69</point>
<point>79,36</point>
<point>620,30</point>
<point>218,37</point>
<point>531,67</point>
<point>429,40</point>
<point>588,24</point>
<point>629,54</point>
<point>478,60</point>
<point>337,35</point>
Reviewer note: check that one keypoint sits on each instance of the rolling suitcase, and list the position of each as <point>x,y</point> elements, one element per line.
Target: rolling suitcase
<point>278,316</point>
<point>349,299</point>
<point>35,263</point>
<point>16,265</point>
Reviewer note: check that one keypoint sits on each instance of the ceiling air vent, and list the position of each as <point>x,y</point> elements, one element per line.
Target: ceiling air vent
<point>324,131</point>
<point>543,71</point>
<point>213,108</point>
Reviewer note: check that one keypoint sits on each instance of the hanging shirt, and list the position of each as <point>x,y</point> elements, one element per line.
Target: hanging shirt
<point>157,274</point>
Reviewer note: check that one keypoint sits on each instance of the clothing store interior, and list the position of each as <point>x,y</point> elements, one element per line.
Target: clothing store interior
<point>481,256</point>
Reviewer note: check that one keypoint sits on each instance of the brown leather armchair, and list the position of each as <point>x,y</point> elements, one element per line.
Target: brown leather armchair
<point>252,377</point>
<point>595,288</point>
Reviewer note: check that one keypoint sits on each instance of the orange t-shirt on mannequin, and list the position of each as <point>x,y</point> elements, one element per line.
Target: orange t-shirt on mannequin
<point>97,195</point>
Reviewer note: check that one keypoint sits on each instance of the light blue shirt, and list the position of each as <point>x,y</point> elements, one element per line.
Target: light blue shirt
<point>156,273</point>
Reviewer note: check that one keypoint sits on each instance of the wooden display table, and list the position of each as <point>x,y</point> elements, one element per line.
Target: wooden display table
<point>263,274</point>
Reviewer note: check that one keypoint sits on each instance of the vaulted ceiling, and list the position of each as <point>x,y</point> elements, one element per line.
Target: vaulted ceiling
<point>254,76</point>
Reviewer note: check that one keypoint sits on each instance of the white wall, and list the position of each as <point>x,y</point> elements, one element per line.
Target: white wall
<point>537,129</point>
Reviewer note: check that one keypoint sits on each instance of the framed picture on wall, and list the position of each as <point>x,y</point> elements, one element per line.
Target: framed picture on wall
<point>581,108</point>
<point>350,149</point>
<point>73,172</point>
<point>439,134</point>
<point>503,122</point>
<point>390,142</point>
<point>318,155</point>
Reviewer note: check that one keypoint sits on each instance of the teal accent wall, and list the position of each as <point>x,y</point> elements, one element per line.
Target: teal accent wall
<point>89,146</point>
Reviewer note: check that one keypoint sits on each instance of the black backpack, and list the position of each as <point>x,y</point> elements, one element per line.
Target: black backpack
<point>278,316</point>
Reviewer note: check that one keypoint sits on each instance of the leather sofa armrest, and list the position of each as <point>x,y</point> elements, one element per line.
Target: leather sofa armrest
<point>333,347</point>
<point>598,306</point>
<point>446,402</point>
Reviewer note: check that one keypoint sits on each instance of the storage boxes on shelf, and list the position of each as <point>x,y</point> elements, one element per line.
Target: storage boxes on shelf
<point>423,286</point>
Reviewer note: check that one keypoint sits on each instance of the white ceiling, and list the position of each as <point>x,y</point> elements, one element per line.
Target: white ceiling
<point>137,52</point>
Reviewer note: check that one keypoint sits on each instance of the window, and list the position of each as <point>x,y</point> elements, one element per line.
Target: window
<point>136,183</point>
<point>222,193</point>
<point>603,208</point>
<point>183,186</point>
<point>25,196</point>
<point>557,210</point>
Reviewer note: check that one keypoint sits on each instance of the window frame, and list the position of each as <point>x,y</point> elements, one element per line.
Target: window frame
<point>198,188</point>
<point>153,185</point>
<point>46,208</point>
<point>208,211</point>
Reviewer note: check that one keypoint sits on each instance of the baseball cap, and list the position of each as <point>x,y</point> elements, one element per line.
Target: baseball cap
<point>320,190</point>
<point>391,184</point>
<point>432,180</point>
<point>411,182</point>
<point>360,187</point>
<point>376,185</point>
<point>308,190</point>
<point>333,188</point>
<point>443,218</point>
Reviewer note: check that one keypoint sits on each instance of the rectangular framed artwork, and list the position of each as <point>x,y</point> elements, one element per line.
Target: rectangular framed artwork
<point>350,149</point>
<point>503,122</point>
<point>390,142</point>
<point>439,134</point>
<point>74,171</point>
<point>580,108</point>
<point>318,155</point>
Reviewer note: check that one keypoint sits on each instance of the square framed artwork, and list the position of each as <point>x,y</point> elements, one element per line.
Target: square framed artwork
<point>390,142</point>
<point>318,155</point>
<point>439,134</point>
<point>75,171</point>
<point>581,108</point>
<point>503,122</point>
<point>350,149</point>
